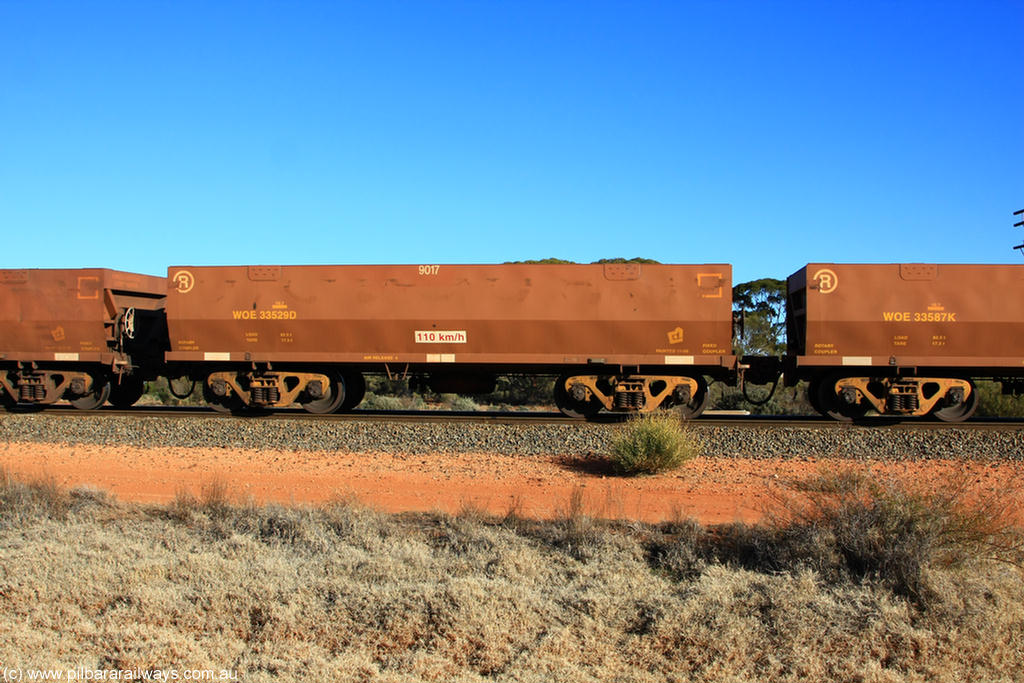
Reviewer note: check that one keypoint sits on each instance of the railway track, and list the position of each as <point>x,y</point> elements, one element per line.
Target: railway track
<point>515,434</point>
<point>710,418</point>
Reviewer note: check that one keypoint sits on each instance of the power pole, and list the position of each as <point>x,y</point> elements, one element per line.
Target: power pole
<point>1018,225</point>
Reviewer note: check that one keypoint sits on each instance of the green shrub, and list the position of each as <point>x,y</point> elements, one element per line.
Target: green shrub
<point>653,443</point>
<point>785,400</point>
<point>992,402</point>
<point>382,402</point>
<point>521,390</point>
<point>459,403</point>
<point>158,393</point>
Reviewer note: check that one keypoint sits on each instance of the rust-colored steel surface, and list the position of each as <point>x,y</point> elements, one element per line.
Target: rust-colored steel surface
<point>514,314</point>
<point>67,315</point>
<point>908,315</point>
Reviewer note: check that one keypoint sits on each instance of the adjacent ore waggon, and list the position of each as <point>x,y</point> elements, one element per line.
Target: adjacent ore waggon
<point>86,335</point>
<point>619,337</point>
<point>904,339</point>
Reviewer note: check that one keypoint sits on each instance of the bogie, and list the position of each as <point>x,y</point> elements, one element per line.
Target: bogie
<point>587,395</point>
<point>852,397</point>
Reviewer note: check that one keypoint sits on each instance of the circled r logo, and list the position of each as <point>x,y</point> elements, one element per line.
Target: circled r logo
<point>827,280</point>
<point>183,281</point>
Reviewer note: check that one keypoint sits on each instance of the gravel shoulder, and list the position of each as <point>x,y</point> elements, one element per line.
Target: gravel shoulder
<point>537,471</point>
<point>375,436</point>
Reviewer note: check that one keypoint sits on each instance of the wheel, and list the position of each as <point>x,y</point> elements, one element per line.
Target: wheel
<point>813,391</point>
<point>222,404</point>
<point>6,402</point>
<point>960,411</point>
<point>330,401</point>
<point>181,394</point>
<point>829,404</point>
<point>96,397</point>
<point>355,391</point>
<point>125,393</point>
<point>698,403</point>
<point>569,406</point>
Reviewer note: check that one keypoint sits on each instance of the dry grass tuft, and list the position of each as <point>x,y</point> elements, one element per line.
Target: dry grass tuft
<point>40,497</point>
<point>214,497</point>
<point>474,509</point>
<point>184,506</point>
<point>654,443</point>
<point>893,531</point>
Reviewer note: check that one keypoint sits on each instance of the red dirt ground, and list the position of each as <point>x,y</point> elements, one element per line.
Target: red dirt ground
<point>711,490</point>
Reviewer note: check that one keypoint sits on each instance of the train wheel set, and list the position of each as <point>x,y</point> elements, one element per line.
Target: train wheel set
<point>891,340</point>
<point>847,398</point>
<point>588,395</point>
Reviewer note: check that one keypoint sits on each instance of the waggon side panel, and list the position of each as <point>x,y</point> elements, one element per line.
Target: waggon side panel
<point>911,315</point>
<point>59,314</point>
<point>498,314</point>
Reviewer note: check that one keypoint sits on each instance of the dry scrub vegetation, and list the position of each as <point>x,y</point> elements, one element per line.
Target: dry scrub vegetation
<point>848,583</point>
<point>653,443</point>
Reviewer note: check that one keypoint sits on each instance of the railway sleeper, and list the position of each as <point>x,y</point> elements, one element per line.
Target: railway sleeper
<point>907,396</point>
<point>631,394</point>
<point>276,389</point>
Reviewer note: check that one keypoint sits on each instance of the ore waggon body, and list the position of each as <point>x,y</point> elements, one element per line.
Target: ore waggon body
<point>904,339</point>
<point>87,335</point>
<point>619,336</point>
<point>891,339</point>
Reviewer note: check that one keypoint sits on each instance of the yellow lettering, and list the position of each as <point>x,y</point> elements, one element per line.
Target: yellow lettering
<point>264,314</point>
<point>919,316</point>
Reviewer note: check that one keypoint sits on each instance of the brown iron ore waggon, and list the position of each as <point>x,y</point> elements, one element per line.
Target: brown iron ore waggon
<point>85,335</point>
<point>620,337</point>
<point>904,339</point>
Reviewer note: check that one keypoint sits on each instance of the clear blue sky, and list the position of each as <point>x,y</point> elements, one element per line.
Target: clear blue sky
<point>139,135</point>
